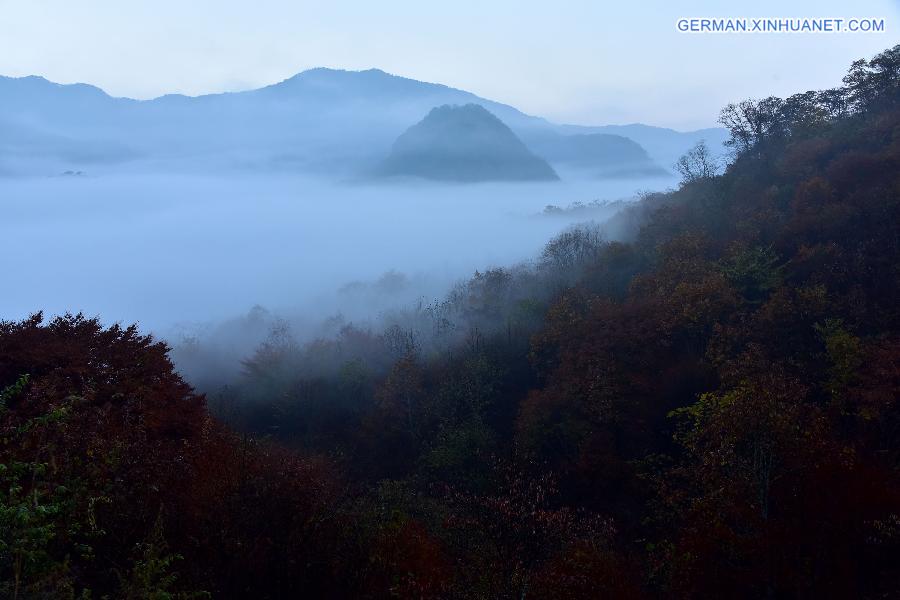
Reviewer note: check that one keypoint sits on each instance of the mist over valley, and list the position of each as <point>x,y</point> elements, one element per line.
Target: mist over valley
<point>182,214</point>
<point>357,336</point>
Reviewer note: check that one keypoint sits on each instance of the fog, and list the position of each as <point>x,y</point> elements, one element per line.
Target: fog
<point>211,221</point>
<point>181,254</point>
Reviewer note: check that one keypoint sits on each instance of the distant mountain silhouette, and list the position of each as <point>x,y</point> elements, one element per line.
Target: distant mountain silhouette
<point>322,120</point>
<point>665,146</point>
<point>597,154</point>
<point>464,143</point>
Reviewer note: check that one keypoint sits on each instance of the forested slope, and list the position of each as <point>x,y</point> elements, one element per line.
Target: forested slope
<point>707,408</point>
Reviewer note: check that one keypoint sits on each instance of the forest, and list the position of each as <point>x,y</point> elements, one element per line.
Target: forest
<point>704,404</point>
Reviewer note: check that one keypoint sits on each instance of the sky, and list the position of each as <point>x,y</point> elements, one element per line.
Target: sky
<point>572,61</point>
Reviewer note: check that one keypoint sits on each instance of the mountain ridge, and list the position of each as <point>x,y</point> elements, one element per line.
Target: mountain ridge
<point>320,119</point>
<point>574,127</point>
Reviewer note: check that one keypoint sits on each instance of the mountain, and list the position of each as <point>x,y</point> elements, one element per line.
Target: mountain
<point>321,120</point>
<point>597,154</point>
<point>664,145</point>
<point>464,143</point>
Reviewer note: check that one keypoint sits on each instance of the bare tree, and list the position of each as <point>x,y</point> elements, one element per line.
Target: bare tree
<point>698,163</point>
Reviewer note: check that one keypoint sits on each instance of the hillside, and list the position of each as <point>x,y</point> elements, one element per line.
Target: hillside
<point>463,143</point>
<point>698,399</point>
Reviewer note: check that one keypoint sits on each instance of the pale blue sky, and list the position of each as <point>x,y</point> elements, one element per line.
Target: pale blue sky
<point>578,61</point>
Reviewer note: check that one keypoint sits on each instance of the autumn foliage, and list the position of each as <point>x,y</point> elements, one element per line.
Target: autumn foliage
<point>705,409</point>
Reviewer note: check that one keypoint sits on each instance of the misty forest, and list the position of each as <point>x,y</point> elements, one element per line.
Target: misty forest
<point>395,340</point>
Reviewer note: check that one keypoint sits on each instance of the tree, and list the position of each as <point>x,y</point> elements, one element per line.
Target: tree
<point>875,82</point>
<point>92,442</point>
<point>750,122</point>
<point>519,531</point>
<point>698,163</point>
